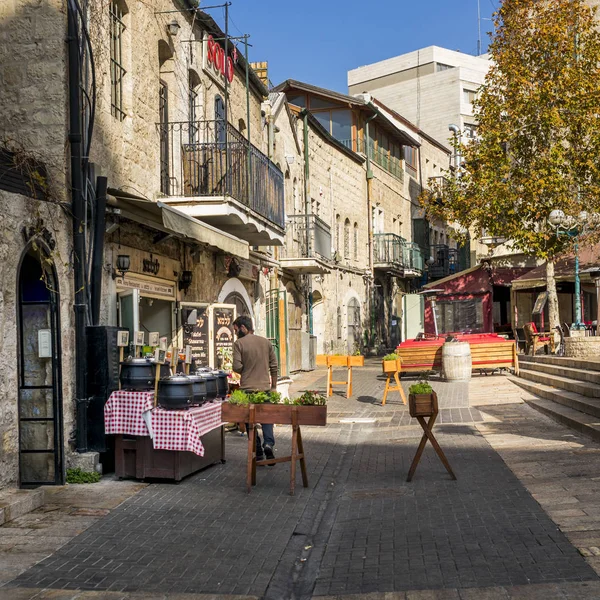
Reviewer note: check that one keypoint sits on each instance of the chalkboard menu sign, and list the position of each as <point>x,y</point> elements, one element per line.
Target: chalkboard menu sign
<point>195,333</point>
<point>222,324</point>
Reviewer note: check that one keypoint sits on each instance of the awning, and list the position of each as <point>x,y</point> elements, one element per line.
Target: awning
<point>165,218</point>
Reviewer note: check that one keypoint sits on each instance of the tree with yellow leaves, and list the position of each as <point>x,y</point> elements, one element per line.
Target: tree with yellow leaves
<point>538,141</point>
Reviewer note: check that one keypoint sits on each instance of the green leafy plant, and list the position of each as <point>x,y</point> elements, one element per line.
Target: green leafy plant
<point>392,356</point>
<point>78,476</point>
<point>420,388</point>
<point>239,397</point>
<point>310,398</point>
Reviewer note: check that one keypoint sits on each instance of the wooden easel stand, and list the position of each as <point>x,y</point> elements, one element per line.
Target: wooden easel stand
<point>331,383</point>
<point>297,453</point>
<point>428,435</point>
<point>393,388</point>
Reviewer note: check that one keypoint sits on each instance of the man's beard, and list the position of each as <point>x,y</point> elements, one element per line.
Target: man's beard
<point>241,334</point>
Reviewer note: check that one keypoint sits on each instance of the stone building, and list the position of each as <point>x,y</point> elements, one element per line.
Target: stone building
<point>351,245</point>
<point>180,201</point>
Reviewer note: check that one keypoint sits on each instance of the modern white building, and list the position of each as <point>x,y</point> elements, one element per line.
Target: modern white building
<point>432,87</point>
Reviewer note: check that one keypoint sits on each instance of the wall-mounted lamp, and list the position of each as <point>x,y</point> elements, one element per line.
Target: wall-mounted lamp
<point>173,28</point>
<point>185,280</point>
<point>122,266</point>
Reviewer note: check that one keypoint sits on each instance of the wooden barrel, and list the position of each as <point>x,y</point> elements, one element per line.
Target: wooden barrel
<point>456,361</point>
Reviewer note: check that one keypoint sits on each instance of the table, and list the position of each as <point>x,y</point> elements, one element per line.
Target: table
<point>155,442</point>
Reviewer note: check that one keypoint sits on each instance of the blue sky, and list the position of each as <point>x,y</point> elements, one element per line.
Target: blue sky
<point>318,41</point>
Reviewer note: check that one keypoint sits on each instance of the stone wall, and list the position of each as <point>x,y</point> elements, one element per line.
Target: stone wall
<point>48,221</point>
<point>582,347</point>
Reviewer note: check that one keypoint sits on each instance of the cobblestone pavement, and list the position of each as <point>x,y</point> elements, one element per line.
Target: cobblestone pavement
<point>359,530</point>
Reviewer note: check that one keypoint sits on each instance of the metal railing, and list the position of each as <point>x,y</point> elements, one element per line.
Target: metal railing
<point>298,245</point>
<point>381,157</point>
<point>446,261</point>
<point>391,249</point>
<point>212,158</point>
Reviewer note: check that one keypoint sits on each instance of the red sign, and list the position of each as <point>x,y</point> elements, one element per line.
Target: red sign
<point>215,56</point>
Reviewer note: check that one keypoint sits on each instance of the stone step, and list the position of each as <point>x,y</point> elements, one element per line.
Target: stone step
<point>562,371</point>
<point>562,361</point>
<point>15,503</point>
<point>585,388</point>
<point>573,400</point>
<point>585,424</point>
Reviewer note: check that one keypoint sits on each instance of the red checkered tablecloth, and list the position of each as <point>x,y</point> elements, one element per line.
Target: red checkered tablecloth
<point>123,412</point>
<point>170,429</point>
<point>182,429</point>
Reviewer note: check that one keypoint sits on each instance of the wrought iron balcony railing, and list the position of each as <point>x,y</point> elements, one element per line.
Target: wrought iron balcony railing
<point>392,250</point>
<point>446,261</point>
<point>298,245</point>
<point>212,158</point>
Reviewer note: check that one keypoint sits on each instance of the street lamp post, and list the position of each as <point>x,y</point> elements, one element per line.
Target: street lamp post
<point>572,227</point>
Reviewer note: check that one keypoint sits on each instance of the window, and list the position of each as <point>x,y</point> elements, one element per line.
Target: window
<point>163,115</point>
<point>469,96</point>
<point>338,233</point>
<point>410,159</point>
<point>355,241</point>
<point>338,123</point>
<point>117,71</point>
<point>347,238</point>
<point>299,100</point>
<point>470,131</point>
<point>442,67</point>
<point>339,323</point>
<point>460,315</point>
<point>194,82</point>
<point>220,131</point>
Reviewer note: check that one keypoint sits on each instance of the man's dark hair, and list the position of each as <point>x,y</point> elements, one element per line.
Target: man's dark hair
<point>244,321</point>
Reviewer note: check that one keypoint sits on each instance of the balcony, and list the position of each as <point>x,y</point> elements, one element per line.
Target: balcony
<point>210,171</point>
<point>306,254</point>
<point>446,262</point>
<point>398,257</point>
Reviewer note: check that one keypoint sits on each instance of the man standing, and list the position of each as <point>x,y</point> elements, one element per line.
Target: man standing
<point>254,359</point>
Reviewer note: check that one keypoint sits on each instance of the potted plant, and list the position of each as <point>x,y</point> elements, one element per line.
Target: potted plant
<point>391,363</point>
<point>422,400</point>
<point>269,407</point>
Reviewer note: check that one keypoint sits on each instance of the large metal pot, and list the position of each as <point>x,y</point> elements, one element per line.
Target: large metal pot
<point>199,385</point>
<point>222,385</point>
<point>139,374</point>
<point>211,383</point>
<point>175,392</point>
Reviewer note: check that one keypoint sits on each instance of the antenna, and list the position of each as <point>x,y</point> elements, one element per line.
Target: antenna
<point>478,27</point>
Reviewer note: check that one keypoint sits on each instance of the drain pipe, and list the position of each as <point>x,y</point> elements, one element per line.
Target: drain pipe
<point>78,210</point>
<point>309,295</point>
<point>370,221</point>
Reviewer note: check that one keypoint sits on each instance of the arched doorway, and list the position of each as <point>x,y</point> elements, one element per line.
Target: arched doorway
<point>241,308</point>
<point>353,325</point>
<point>318,316</point>
<point>40,384</point>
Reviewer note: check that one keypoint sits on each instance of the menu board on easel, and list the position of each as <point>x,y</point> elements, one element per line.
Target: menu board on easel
<point>195,326</point>
<point>222,317</point>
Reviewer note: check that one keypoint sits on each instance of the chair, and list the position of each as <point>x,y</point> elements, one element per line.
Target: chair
<point>560,351</point>
<point>536,340</point>
<point>566,330</point>
<point>519,341</point>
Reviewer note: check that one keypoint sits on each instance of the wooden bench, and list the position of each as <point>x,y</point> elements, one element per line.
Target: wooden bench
<point>485,356</point>
<point>420,359</point>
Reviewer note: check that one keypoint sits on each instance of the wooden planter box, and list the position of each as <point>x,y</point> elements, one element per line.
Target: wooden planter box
<point>422,405</point>
<point>356,361</point>
<point>391,366</point>
<point>327,360</point>
<point>280,414</point>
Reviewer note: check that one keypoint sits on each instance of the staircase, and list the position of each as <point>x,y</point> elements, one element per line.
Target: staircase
<point>566,389</point>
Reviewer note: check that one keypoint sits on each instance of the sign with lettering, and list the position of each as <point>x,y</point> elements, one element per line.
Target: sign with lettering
<point>150,287</point>
<point>195,325</point>
<point>216,61</point>
<point>223,316</point>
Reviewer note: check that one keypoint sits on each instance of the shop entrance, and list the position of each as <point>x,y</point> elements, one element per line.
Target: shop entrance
<point>40,400</point>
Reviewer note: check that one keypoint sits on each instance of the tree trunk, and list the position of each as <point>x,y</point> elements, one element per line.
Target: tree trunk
<point>553,314</point>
